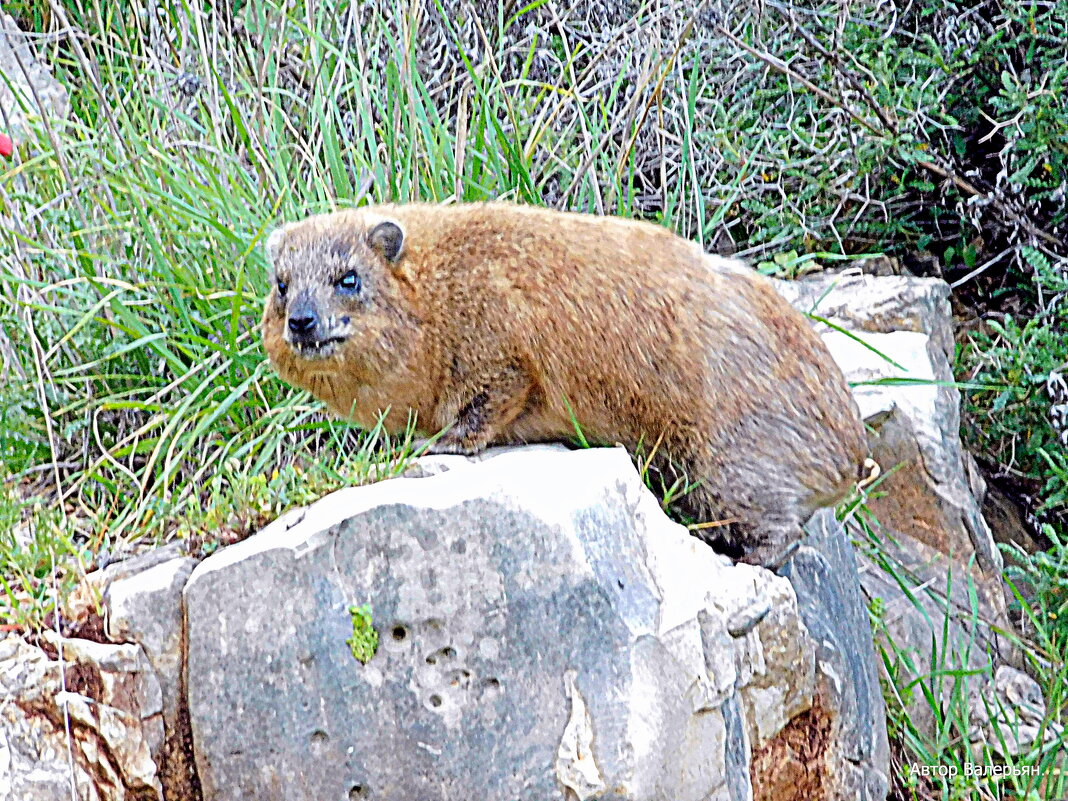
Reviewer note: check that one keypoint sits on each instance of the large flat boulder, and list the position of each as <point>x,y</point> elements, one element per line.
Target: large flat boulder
<point>546,632</point>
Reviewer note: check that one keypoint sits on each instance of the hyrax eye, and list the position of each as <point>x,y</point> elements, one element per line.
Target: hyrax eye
<point>349,282</point>
<point>282,287</point>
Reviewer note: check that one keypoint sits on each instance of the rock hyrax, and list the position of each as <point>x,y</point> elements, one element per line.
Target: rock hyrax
<point>506,324</point>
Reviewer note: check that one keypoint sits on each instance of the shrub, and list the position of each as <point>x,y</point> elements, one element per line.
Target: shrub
<point>1020,421</point>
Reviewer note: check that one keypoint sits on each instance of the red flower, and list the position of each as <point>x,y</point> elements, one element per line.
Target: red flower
<point>6,147</point>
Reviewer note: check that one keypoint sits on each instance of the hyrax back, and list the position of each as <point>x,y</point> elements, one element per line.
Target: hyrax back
<point>500,322</point>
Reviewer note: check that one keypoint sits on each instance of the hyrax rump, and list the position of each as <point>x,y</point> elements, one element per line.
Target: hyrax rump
<point>507,323</point>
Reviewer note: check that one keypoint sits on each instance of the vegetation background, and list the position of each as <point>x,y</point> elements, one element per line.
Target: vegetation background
<point>136,405</point>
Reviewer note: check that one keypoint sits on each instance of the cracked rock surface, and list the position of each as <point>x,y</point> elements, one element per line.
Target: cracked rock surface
<point>545,631</point>
<point>77,720</point>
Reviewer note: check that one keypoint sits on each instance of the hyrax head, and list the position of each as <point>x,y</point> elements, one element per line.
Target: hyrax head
<point>333,279</point>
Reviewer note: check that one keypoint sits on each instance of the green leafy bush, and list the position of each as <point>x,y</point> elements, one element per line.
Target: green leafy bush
<point>1019,421</point>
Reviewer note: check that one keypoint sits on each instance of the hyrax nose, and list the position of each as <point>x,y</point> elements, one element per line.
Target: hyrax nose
<point>303,322</point>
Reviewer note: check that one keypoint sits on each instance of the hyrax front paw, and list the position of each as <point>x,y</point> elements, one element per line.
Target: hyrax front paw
<point>470,433</point>
<point>465,445</point>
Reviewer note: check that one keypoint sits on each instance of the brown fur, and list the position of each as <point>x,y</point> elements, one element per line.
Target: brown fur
<point>494,318</point>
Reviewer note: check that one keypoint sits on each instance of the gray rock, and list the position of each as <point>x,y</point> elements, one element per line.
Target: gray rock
<point>1010,715</point>
<point>33,756</point>
<point>84,603</point>
<point>545,633</point>
<point>145,608</point>
<point>824,576</point>
<point>901,329</point>
<point>876,304</point>
<point>28,89</point>
<point>141,599</point>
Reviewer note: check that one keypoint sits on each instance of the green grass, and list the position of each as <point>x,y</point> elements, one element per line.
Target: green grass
<point>938,735</point>
<point>139,404</point>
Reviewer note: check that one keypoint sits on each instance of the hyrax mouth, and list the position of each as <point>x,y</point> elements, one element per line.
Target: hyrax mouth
<point>316,348</point>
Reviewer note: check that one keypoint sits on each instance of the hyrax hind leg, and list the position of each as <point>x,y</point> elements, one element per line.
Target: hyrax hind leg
<point>761,538</point>
<point>771,547</point>
<point>760,509</point>
<point>482,409</point>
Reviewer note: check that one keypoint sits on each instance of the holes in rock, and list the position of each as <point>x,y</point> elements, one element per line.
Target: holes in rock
<point>460,678</point>
<point>435,701</point>
<point>434,624</point>
<point>446,654</point>
<point>358,791</point>
<point>400,633</point>
<point>85,680</point>
<point>319,737</point>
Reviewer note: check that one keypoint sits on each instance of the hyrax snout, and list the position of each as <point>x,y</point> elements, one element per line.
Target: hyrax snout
<point>509,324</point>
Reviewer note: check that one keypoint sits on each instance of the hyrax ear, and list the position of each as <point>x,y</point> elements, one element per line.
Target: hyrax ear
<point>273,245</point>
<point>387,239</point>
